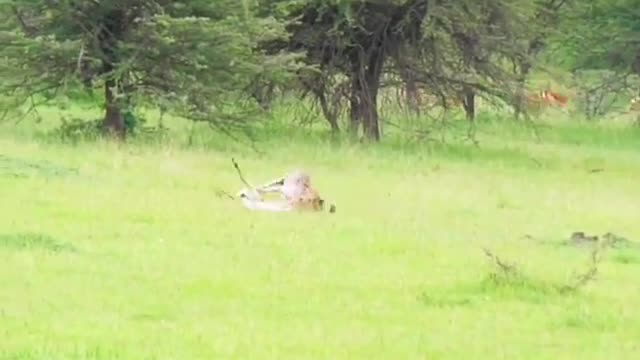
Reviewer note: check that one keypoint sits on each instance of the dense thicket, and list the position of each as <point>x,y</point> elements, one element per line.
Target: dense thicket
<point>220,61</point>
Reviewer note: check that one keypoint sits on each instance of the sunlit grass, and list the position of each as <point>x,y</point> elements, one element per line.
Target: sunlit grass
<point>126,252</point>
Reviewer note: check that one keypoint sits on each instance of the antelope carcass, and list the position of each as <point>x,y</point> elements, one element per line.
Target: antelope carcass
<point>295,190</point>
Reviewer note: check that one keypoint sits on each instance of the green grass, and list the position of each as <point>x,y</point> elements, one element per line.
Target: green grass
<point>126,252</point>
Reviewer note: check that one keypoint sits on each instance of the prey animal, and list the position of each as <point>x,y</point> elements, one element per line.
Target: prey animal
<point>295,190</point>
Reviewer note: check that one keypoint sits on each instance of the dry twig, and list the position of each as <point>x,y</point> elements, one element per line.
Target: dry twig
<point>507,268</point>
<point>244,181</point>
<point>589,275</point>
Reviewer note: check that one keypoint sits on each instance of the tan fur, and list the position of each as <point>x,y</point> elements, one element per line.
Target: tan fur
<point>548,98</point>
<point>543,99</point>
<point>306,197</point>
<point>554,98</point>
<point>296,190</point>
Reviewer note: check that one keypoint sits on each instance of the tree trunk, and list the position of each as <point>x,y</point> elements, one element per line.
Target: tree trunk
<point>369,108</point>
<point>412,95</point>
<point>364,94</point>
<point>525,67</point>
<point>469,104</point>
<point>355,112</point>
<point>370,105</point>
<point>113,29</point>
<point>113,121</point>
<point>330,114</point>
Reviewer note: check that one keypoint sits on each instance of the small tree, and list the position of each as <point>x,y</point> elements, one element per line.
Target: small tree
<point>191,57</point>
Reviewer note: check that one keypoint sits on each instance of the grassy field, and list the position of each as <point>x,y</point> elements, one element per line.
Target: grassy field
<point>126,252</point>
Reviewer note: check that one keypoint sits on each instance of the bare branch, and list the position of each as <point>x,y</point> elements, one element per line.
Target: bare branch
<point>244,181</point>
<point>28,30</point>
<point>506,268</point>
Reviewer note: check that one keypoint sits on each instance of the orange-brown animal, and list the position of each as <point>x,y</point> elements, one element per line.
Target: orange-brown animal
<point>553,98</point>
<point>545,98</point>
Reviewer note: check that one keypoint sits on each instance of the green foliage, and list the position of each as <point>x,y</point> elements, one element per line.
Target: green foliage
<point>190,57</point>
<point>601,34</point>
<point>33,241</point>
<point>204,60</point>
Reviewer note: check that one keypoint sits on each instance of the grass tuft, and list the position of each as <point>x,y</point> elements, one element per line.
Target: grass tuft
<point>33,241</point>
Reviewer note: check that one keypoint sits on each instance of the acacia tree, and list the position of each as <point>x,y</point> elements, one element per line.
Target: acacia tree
<point>451,48</point>
<point>355,38</point>
<point>190,57</point>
